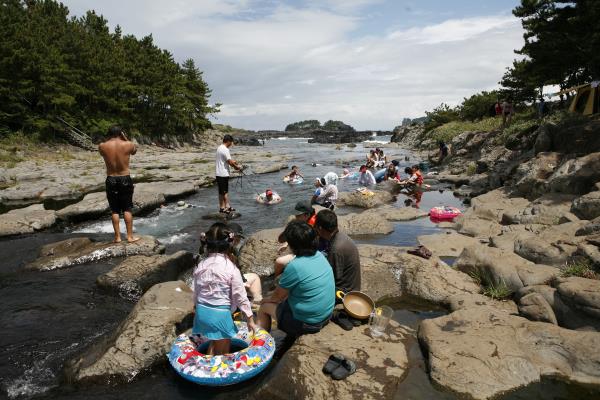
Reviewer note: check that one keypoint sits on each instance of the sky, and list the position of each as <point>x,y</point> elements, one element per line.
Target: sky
<point>369,63</point>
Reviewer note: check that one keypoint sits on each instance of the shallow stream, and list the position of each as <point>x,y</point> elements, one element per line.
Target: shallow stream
<point>48,317</point>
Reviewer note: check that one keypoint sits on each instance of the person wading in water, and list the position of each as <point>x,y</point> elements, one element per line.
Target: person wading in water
<point>223,161</point>
<point>116,151</point>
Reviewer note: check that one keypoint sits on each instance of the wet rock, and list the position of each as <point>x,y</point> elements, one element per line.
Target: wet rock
<point>170,190</point>
<point>553,246</point>
<point>260,251</point>
<point>136,274</point>
<point>535,308</point>
<point>357,199</point>
<point>497,267</point>
<point>140,342</point>
<point>397,214</point>
<point>145,201</point>
<point>269,167</point>
<point>483,352</point>
<point>365,223</point>
<point>577,175</point>
<point>434,281</point>
<point>587,206</point>
<point>75,251</point>
<point>92,206</point>
<point>381,365</point>
<point>26,220</point>
<point>449,244</point>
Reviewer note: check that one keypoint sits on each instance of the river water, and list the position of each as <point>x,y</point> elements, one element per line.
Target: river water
<point>49,317</point>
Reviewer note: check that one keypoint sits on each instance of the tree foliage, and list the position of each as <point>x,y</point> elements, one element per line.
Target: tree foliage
<point>309,124</point>
<point>562,38</point>
<point>53,65</point>
<point>478,105</point>
<point>441,115</point>
<point>337,126</point>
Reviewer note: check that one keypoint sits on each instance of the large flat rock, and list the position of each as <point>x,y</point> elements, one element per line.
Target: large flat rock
<point>357,199</point>
<point>483,352</point>
<point>75,251</point>
<point>136,274</point>
<point>381,268</point>
<point>381,364</point>
<point>448,244</point>
<point>364,223</point>
<point>140,342</point>
<point>26,220</point>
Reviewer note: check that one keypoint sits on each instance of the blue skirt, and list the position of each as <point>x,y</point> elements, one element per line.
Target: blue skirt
<point>214,322</point>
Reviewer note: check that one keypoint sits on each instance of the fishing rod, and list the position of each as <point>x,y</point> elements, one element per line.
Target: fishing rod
<point>248,180</point>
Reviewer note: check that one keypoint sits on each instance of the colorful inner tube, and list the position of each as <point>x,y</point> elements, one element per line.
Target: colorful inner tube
<point>444,213</point>
<point>228,369</point>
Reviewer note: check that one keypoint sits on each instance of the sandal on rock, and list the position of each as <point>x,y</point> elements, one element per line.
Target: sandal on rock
<point>355,322</point>
<point>223,210</point>
<point>342,319</point>
<point>346,369</point>
<point>230,209</point>
<point>333,363</point>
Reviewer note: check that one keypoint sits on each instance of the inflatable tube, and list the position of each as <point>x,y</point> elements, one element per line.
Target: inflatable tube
<point>379,175</point>
<point>444,213</point>
<point>228,369</point>
<point>296,181</point>
<point>262,199</point>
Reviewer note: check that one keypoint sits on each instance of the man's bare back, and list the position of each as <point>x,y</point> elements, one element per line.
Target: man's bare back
<point>116,152</point>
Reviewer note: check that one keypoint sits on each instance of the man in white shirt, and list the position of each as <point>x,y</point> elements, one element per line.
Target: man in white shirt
<point>223,161</point>
<point>366,177</point>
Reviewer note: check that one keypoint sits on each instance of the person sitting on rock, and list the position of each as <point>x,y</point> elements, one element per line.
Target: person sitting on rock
<point>305,213</point>
<point>218,291</point>
<point>381,158</point>
<point>331,178</point>
<point>443,153</point>
<point>341,252</point>
<point>366,177</point>
<point>304,298</point>
<point>328,196</point>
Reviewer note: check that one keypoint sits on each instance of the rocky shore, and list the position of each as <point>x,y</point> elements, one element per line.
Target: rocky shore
<point>38,193</point>
<point>520,298</point>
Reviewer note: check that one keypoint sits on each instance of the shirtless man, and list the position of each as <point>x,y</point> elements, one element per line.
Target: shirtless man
<point>119,186</point>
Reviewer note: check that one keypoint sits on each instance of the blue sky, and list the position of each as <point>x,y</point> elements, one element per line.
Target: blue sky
<point>369,63</point>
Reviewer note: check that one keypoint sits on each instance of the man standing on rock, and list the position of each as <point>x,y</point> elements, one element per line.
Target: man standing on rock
<point>341,252</point>
<point>116,151</point>
<point>223,161</point>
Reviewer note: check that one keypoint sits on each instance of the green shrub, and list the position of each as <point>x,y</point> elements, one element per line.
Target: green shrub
<point>478,106</point>
<point>580,268</point>
<point>441,115</point>
<point>498,291</point>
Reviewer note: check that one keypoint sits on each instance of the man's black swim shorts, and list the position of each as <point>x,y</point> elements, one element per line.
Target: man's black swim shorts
<point>119,193</point>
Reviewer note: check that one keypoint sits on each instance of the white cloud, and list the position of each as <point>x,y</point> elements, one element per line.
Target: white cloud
<point>272,65</point>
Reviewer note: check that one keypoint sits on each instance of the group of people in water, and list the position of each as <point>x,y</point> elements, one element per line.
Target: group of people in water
<point>314,261</point>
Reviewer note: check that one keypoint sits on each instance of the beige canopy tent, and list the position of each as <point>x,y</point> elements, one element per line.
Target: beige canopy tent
<point>587,98</point>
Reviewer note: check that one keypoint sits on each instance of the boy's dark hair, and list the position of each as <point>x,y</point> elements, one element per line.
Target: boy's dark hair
<point>301,238</point>
<point>218,238</point>
<point>114,131</point>
<point>294,167</point>
<point>408,170</point>
<point>362,167</point>
<point>416,166</point>
<point>323,181</point>
<point>327,220</point>
<point>227,138</point>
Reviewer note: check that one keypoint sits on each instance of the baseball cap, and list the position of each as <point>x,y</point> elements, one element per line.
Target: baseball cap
<point>269,192</point>
<point>304,207</point>
<point>236,229</point>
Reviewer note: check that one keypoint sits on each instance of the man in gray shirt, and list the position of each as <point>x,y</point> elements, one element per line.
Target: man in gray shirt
<point>341,252</point>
